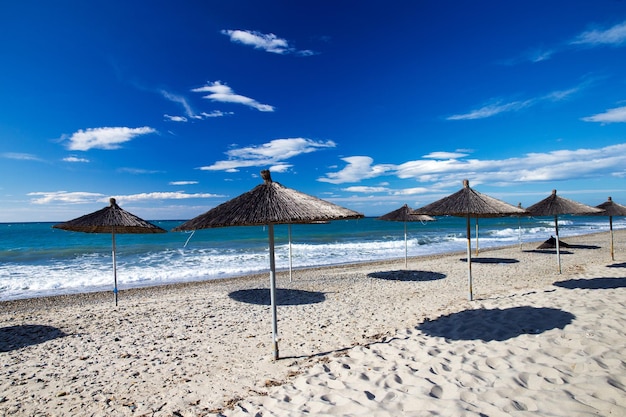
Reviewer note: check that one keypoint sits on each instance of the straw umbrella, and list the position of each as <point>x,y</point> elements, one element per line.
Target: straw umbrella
<point>611,209</point>
<point>469,203</point>
<point>268,204</point>
<point>555,205</point>
<point>114,220</point>
<point>405,214</point>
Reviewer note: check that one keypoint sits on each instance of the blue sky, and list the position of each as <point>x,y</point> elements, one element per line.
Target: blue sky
<point>175,107</point>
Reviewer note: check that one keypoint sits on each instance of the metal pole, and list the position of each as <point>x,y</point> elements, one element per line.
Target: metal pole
<point>469,259</point>
<point>558,249</point>
<point>406,250</point>
<point>611,229</point>
<point>270,230</point>
<point>290,256</point>
<point>114,269</point>
<point>476,236</point>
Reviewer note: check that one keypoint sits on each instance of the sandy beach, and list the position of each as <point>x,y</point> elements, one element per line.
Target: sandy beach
<point>370,339</point>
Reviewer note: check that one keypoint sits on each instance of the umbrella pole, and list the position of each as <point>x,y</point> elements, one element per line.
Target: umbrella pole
<point>469,259</point>
<point>270,231</point>
<point>558,249</point>
<point>114,269</point>
<point>290,262</point>
<point>611,231</point>
<point>406,248</point>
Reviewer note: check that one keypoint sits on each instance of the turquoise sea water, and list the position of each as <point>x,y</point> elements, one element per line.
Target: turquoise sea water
<point>37,260</point>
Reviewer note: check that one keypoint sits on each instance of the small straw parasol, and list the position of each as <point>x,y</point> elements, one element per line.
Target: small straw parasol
<point>611,209</point>
<point>555,205</point>
<point>268,204</point>
<point>114,220</point>
<point>469,203</point>
<point>405,214</point>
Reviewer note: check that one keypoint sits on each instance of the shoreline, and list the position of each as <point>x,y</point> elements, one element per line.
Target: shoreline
<point>204,348</point>
<point>103,295</point>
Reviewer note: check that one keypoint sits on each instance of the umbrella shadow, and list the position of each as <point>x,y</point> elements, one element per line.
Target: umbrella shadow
<point>593,283</point>
<point>284,297</point>
<point>584,247</point>
<point>407,275</point>
<point>622,265</point>
<point>492,260</point>
<point>549,251</point>
<point>17,337</point>
<point>495,324</point>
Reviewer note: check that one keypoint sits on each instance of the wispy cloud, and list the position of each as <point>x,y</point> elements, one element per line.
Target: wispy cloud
<point>223,93</point>
<point>178,99</point>
<point>177,195</point>
<point>20,156</point>
<point>105,137</point>
<point>77,197</point>
<point>183,182</point>
<point>616,115</point>
<point>138,171</point>
<point>496,107</point>
<point>273,153</point>
<point>266,42</point>
<point>75,159</point>
<point>613,36</point>
<point>532,167</point>
<point>180,119</point>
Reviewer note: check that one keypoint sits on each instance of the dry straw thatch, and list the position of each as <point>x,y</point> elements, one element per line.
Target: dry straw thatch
<point>111,219</point>
<point>269,203</point>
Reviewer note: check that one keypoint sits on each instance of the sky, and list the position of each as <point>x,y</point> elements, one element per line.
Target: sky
<point>175,107</point>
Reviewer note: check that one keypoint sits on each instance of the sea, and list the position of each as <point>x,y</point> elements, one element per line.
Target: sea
<point>37,260</point>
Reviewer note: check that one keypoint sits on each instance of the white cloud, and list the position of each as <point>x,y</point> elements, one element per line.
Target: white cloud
<point>532,167</point>
<point>105,137</point>
<point>75,159</point>
<point>358,168</point>
<point>615,36</point>
<point>280,167</point>
<point>266,42</point>
<point>216,113</point>
<point>77,197</point>
<point>177,195</point>
<point>223,93</point>
<point>365,189</point>
<point>138,171</point>
<point>181,119</point>
<point>183,182</point>
<point>446,155</point>
<point>616,115</point>
<point>268,154</point>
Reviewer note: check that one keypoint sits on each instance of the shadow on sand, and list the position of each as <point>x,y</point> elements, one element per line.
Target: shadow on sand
<point>593,283</point>
<point>492,260</point>
<point>496,324</point>
<point>622,265</point>
<point>407,275</point>
<point>549,251</point>
<point>284,297</point>
<point>17,337</point>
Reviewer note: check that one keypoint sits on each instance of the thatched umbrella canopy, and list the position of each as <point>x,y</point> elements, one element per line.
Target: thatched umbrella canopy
<point>268,204</point>
<point>611,209</point>
<point>469,203</point>
<point>114,220</point>
<point>405,214</point>
<point>555,205</point>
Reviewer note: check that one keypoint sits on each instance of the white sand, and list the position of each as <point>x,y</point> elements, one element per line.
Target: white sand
<point>355,340</point>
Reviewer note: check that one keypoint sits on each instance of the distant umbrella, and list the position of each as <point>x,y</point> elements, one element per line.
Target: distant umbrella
<point>114,220</point>
<point>469,203</point>
<point>611,209</point>
<point>405,214</point>
<point>555,205</point>
<point>268,204</point>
